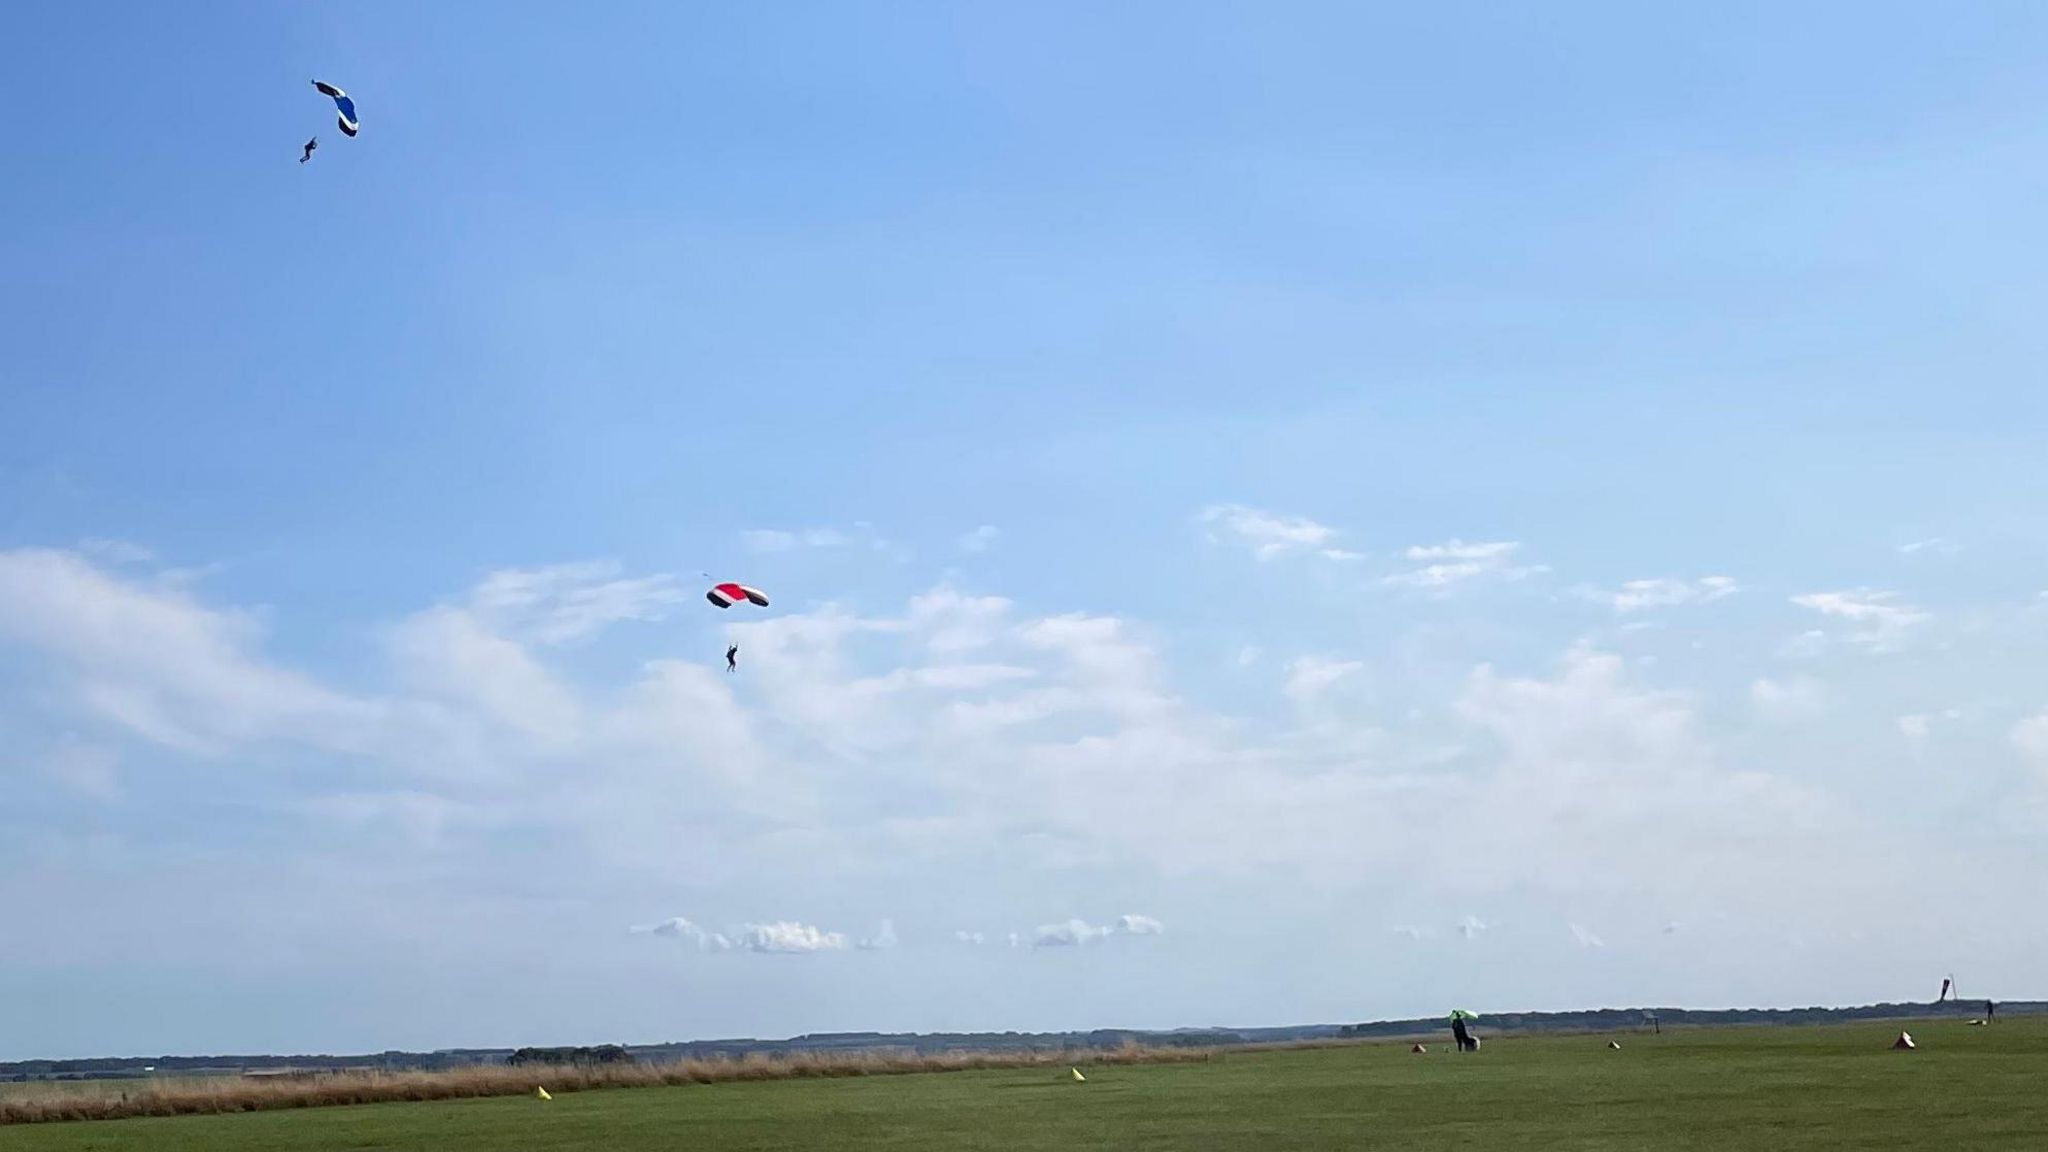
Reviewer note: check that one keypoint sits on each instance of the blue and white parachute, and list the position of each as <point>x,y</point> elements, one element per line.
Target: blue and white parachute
<point>342,104</point>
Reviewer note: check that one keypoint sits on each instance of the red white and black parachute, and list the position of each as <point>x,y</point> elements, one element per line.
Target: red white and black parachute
<point>728,594</point>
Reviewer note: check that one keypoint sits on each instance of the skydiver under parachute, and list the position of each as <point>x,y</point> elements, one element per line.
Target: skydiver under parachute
<point>726,595</point>
<point>345,116</point>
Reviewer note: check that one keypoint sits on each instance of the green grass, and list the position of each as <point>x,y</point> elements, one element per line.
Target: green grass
<point>1820,1088</point>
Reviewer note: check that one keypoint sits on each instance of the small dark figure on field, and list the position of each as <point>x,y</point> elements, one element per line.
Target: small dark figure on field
<point>1464,1038</point>
<point>1989,1009</point>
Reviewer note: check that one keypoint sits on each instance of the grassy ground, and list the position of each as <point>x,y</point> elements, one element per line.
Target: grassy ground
<point>1827,1088</point>
<point>94,1089</point>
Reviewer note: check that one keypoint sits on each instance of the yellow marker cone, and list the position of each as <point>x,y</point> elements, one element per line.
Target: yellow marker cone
<point>542,1093</point>
<point>1077,1075</point>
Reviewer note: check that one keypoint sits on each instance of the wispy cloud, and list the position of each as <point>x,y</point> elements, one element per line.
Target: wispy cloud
<point>1935,545</point>
<point>1914,727</point>
<point>782,540</point>
<point>972,939</point>
<point>1880,620</point>
<point>860,535</point>
<point>1309,676</point>
<point>1438,567</point>
<point>567,602</point>
<point>1458,551</point>
<point>1269,535</point>
<point>1471,926</point>
<point>1640,595</point>
<point>1793,699</point>
<point>1585,937</point>
<point>980,540</point>
<point>115,551</point>
<point>154,660</point>
<point>1410,931</point>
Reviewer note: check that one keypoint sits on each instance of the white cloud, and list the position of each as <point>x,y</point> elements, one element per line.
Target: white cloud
<point>1639,595</point>
<point>1798,698</point>
<point>973,939</point>
<point>1269,535</point>
<point>155,661</point>
<point>115,551</point>
<point>450,655</point>
<point>1410,931</point>
<point>980,540</point>
<point>1074,933</point>
<point>1585,938</point>
<point>861,535</point>
<point>781,936</point>
<point>884,937</point>
<point>1453,562</point>
<point>1487,552</point>
<point>1913,727</point>
<point>678,927</point>
<point>1933,544</point>
<point>1881,621</point>
<point>568,602</point>
<point>1067,934</point>
<point>1309,676</point>
<point>1249,655</point>
<point>779,540</point>
<point>961,742</point>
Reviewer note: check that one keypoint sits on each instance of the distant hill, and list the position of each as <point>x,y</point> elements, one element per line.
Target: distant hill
<point>1495,1024</point>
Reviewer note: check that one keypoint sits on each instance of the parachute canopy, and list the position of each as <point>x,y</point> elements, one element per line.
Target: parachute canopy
<point>342,104</point>
<point>727,595</point>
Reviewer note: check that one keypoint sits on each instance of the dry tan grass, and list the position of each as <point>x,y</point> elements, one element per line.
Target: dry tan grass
<point>180,1098</point>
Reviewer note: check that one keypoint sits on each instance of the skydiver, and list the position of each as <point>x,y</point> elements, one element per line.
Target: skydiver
<point>732,658</point>
<point>310,145</point>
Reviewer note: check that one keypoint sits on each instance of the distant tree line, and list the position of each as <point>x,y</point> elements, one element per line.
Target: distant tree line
<point>578,1056</point>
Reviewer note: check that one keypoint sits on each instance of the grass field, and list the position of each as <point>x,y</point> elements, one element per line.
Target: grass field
<point>94,1089</point>
<point>1831,1088</point>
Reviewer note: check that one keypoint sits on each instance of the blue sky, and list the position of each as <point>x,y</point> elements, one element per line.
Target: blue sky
<point>1311,514</point>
